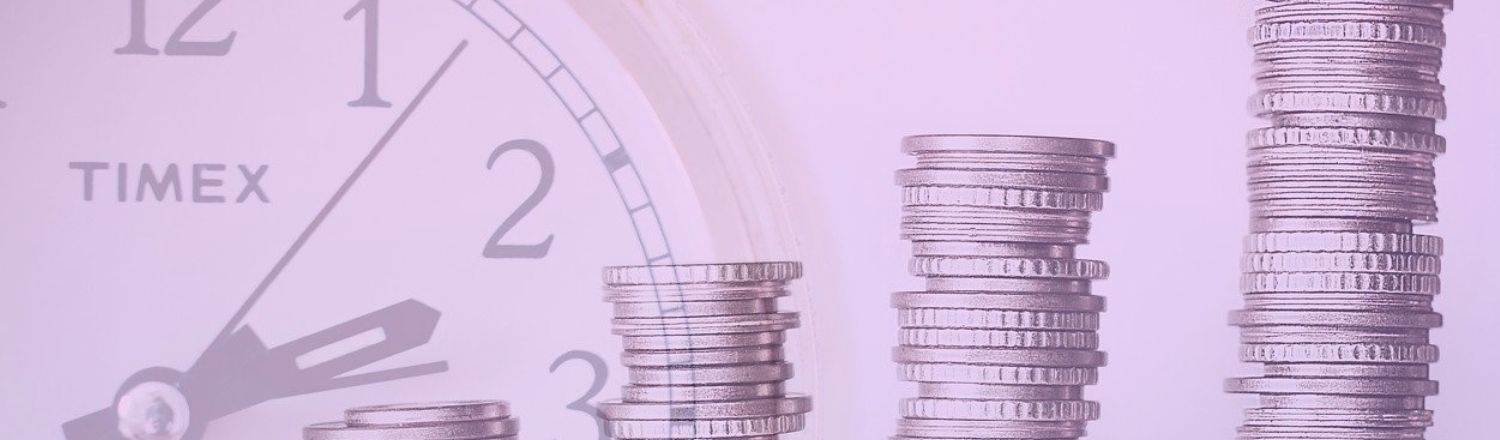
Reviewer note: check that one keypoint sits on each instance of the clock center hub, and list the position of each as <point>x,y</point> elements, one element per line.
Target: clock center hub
<point>153,411</point>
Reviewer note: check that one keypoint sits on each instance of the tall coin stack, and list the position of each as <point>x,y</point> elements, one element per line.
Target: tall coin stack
<point>703,344</point>
<point>1003,338</point>
<point>1338,290</point>
<point>461,420</point>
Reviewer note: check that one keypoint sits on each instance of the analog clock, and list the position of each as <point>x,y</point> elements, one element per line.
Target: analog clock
<point>230,219</point>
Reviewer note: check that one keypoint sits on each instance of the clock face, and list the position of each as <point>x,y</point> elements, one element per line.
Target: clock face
<point>232,219</point>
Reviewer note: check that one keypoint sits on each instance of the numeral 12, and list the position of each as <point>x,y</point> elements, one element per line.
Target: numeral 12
<point>175,44</point>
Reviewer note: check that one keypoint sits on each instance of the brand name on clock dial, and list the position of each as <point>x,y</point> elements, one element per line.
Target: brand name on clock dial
<point>171,182</point>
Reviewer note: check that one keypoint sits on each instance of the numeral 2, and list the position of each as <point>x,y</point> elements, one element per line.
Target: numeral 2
<point>175,44</point>
<point>493,248</point>
<point>601,376</point>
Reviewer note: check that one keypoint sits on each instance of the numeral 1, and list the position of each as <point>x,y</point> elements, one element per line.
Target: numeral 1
<point>137,44</point>
<point>371,95</point>
<point>176,46</point>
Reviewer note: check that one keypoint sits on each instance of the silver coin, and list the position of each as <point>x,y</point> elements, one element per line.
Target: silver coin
<point>701,393</point>
<point>1325,401</point>
<point>933,337</point>
<point>792,404</point>
<point>980,143</point>
<point>426,413</point>
<point>1025,357</point>
<point>698,342</point>
<point>987,429</point>
<point>1339,302</point>
<point>1338,318</point>
<point>704,273</point>
<point>481,429</point>
<point>1336,418</point>
<point>1342,262</point>
<point>720,356</point>
<point>1283,73</point>
<point>996,319</point>
<point>1003,179</point>
<point>1315,154</point>
<point>1389,103</point>
<point>1348,137</point>
<point>969,215</point>
<point>688,293</point>
<point>1304,433</point>
<point>1011,161</point>
<point>1346,370</point>
<point>1326,241</point>
<point>989,249</point>
<point>1014,267</point>
<point>1350,51</point>
<point>998,392</point>
<point>706,428</point>
<point>1306,334</point>
<point>984,230</point>
<point>705,325</point>
<point>712,375</point>
<point>1377,11</point>
<point>1357,121</point>
<point>1364,386</point>
<point>1441,4</point>
<point>1328,83</point>
<point>1330,224</point>
<point>997,374</point>
<point>1269,32</point>
<point>1020,198</point>
<point>1353,282</point>
<point>1008,285</point>
<point>695,308</point>
<point>1014,234</point>
<point>1336,172</point>
<point>1016,410</point>
<point>1415,215</point>
<point>995,301</point>
<point>1359,353</point>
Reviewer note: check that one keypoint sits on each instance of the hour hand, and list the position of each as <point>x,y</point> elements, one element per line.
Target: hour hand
<point>243,372</point>
<point>238,372</point>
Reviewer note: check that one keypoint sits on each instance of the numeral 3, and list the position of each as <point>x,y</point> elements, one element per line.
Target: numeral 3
<point>601,376</point>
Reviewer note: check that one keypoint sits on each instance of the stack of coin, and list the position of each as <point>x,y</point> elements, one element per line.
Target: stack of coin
<point>1003,339</point>
<point>703,344</point>
<point>464,420</point>
<point>1338,289</point>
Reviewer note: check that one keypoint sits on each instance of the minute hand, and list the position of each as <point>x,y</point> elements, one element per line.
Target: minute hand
<point>286,258</point>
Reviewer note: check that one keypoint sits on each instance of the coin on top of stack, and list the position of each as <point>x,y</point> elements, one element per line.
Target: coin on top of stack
<point>704,348</point>
<point>1003,338</point>
<point>1338,289</point>
<point>457,420</point>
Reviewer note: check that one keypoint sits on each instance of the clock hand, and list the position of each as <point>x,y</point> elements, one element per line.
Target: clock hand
<point>245,373</point>
<point>241,372</point>
<point>265,283</point>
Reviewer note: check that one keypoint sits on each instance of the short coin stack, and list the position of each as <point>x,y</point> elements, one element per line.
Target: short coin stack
<point>463,420</point>
<point>1003,338</point>
<point>1338,290</point>
<point>704,347</point>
